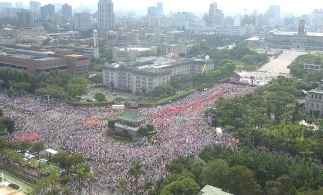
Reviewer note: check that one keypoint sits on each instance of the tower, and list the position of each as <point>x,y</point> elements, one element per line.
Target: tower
<point>106,19</point>
<point>159,7</point>
<point>96,52</point>
<point>95,38</point>
<point>301,27</point>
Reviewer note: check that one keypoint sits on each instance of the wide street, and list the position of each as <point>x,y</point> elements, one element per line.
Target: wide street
<point>274,67</point>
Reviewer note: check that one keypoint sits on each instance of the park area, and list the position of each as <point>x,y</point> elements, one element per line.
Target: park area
<point>23,185</point>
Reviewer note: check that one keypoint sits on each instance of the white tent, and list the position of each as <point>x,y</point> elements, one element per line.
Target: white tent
<point>28,155</point>
<point>51,151</point>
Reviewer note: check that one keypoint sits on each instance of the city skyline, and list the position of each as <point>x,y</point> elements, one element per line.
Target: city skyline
<point>198,7</point>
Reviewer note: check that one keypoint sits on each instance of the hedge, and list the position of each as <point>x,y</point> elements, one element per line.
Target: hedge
<point>167,99</point>
<point>77,103</point>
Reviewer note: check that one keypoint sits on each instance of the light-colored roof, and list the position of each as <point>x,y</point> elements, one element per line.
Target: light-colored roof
<point>51,151</point>
<point>210,190</point>
<point>317,91</point>
<point>253,39</point>
<point>7,190</point>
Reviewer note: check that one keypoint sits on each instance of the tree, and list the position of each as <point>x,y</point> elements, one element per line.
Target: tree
<point>136,170</point>
<point>241,181</point>
<point>7,125</point>
<point>111,122</point>
<point>185,186</point>
<point>37,147</point>
<point>215,172</point>
<point>150,127</point>
<point>74,160</point>
<point>100,97</point>
<point>77,86</point>
<point>143,130</point>
<point>1,113</point>
<point>123,185</point>
<point>83,173</point>
<point>60,159</point>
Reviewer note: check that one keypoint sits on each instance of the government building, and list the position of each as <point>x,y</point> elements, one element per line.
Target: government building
<point>144,77</point>
<point>300,40</point>
<point>35,61</point>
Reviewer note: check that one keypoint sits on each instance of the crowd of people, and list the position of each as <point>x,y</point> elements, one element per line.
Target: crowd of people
<point>64,127</point>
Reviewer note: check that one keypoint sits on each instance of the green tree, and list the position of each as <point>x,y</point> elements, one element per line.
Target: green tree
<point>136,171</point>
<point>7,125</point>
<point>241,181</point>
<point>143,130</point>
<point>77,86</point>
<point>60,158</point>
<point>215,172</point>
<point>100,97</point>
<point>37,147</point>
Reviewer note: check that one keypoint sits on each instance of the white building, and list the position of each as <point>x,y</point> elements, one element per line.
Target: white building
<point>144,77</point>
<point>314,103</point>
<point>106,17</point>
<point>131,53</point>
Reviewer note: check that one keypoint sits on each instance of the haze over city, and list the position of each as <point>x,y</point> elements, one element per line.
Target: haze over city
<point>229,7</point>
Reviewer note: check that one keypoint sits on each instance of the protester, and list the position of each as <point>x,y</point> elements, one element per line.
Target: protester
<point>180,125</point>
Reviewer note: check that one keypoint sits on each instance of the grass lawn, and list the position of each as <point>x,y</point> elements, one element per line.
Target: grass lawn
<point>25,187</point>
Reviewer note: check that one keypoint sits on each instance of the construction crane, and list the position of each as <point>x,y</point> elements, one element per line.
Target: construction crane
<point>204,67</point>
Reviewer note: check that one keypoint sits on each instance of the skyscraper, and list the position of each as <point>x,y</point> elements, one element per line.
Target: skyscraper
<point>211,18</point>
<point>106,19</point>
<point>82,21</point>
<point>25,19</point>
<point>66,11</point>
<point>34,6</point>
<point>274,13</point>
<point>159,7</point>
<point>47,11</point>
<point>152,11</point>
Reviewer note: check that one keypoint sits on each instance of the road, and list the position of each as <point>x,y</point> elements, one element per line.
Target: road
<point>274,67</point>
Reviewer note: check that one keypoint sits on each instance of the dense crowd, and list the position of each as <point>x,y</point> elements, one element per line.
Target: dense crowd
<point>63,127</point>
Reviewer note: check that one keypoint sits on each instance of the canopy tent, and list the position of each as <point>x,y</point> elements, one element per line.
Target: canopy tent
<point>51,151</point>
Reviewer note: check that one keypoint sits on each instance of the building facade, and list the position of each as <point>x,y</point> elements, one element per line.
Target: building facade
<point>130,54</point>
<point>106,17</point>
<point>25,19</point>
<point>300,40</point>
<point>310,67</point>
<point>47,11</point>
<point>143,78</point>
<point>66,11</point>
<point>34,61</point>
<point>82,21</point>
<point>314,103</point>
<point>34,7</point>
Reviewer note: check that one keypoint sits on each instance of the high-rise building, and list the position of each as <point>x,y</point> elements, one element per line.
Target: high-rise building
<point>34,6</point>
<point>106,17</point>
<point>159,7</point>
<point>152,11</point>
<point>47,11</point>
<point>214,17</point>
<point>274,13</point>
<point>19,5</point>
<point>82,21</point>
<point>66,11</point>
<point>25,19</point>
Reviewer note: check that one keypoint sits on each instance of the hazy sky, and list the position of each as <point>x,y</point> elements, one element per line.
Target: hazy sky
<point>200,6</point>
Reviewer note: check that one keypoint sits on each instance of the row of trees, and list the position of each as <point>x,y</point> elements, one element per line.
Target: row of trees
<point>56,84</point>
<point>251,172</point>
<point>54,177</point>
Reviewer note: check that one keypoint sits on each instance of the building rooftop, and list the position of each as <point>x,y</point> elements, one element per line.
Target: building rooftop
<point>210,190</point>
<point>131,116</point>
<point>74,55</point>
<point>317,91</point>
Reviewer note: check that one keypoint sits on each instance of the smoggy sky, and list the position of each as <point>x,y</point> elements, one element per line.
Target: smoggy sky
<point>199,6</point>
